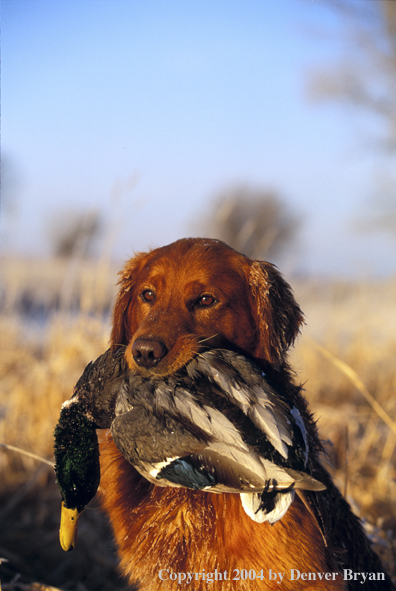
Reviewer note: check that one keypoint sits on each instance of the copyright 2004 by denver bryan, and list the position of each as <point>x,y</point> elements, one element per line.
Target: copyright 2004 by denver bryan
<point>292,574</point>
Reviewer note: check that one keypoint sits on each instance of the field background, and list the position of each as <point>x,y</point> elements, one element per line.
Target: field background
<point>43,354</point>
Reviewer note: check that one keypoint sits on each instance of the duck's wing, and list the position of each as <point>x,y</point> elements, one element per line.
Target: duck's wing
<point>169,452</point>
<point>283,436</point>
<point>279,431</point>
<point>173,438</point>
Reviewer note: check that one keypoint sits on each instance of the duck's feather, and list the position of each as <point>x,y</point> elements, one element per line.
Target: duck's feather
<point>216,425</point>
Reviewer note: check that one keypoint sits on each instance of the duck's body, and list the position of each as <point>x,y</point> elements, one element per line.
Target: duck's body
<point>217,425</point>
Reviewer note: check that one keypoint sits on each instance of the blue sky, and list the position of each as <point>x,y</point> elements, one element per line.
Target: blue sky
<point>145,109</point>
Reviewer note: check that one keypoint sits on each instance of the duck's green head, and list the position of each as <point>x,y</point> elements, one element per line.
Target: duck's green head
<point>76,466</point>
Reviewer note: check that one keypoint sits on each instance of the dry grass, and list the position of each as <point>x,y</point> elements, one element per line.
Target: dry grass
<point>35,381</point>
<point>355,323</point>
<point>345,357</point>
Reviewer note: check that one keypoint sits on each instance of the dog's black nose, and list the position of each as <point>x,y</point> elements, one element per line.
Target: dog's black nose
<point>147,353</point>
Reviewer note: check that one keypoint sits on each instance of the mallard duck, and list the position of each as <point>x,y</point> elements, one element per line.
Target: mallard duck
<point>217,425</point>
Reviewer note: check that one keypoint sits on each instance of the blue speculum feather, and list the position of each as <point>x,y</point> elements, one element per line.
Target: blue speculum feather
<point>182,472</point>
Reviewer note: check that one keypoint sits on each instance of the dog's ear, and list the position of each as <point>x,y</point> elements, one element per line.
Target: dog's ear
<point>122,330</point>
<point>277,315</point>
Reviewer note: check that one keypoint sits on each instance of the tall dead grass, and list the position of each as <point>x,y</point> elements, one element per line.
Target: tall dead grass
<point>346,359</point>
<point>355,323</point>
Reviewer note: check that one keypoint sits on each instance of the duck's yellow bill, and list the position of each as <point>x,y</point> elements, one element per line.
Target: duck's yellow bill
<point>68,528</point>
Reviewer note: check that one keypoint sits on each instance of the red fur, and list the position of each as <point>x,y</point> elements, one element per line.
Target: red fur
<point>186,531</point>
<point>177,529</point>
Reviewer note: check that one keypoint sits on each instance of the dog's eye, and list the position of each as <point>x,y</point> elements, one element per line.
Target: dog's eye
<point>206,300</point>
<point>147,295</point>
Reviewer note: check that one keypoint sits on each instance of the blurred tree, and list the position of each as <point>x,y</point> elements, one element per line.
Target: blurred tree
<point>366,75</point>
<point>366,79</point>
<point>253,221</point>
<point>381,214</point>
<point>10,182</point>
<point>73,233</point>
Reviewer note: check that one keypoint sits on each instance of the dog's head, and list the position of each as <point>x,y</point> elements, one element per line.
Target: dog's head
<point>198,293</point>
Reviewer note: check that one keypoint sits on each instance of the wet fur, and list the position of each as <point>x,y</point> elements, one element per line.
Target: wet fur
<point>180,530</point>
